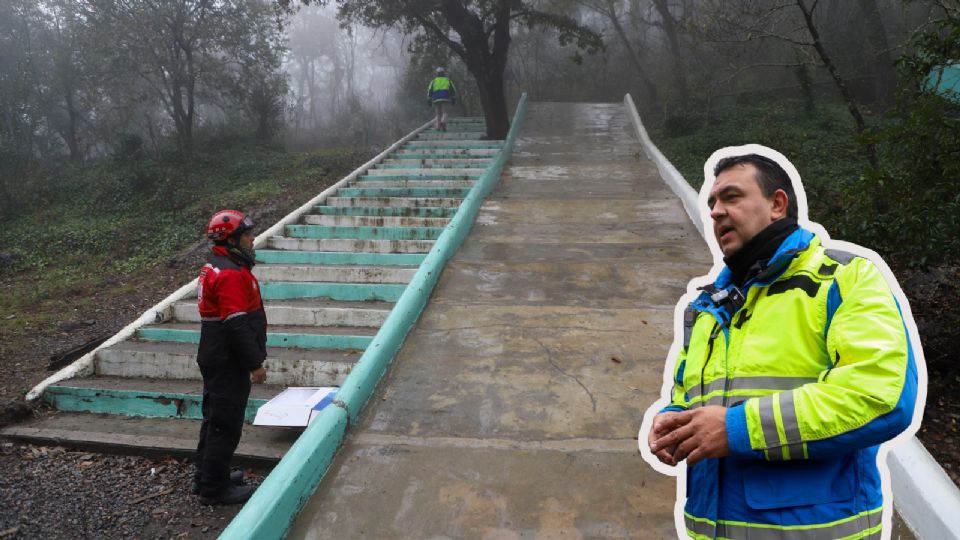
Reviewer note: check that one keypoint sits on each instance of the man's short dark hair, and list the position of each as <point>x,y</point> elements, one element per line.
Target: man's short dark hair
<point>770,176</point>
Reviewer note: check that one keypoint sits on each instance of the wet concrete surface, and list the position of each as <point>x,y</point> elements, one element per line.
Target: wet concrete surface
<point>513,407</point>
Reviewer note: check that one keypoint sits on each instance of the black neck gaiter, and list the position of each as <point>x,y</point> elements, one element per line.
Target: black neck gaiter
<point>747,260</point>
<point>244,257</point>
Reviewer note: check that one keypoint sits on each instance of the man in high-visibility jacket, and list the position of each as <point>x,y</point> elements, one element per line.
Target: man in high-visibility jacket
<point>440,92</point>
<point>794,365</point>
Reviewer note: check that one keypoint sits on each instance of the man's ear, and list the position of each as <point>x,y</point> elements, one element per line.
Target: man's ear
<point>780,201</point>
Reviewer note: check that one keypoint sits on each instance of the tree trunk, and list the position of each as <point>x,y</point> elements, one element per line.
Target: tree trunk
<point>71,137</point>
<point>670,28</point>
<point>634,57</point>
<point>806,86</point>
<point>487,64</point>
<point>494,103</point>
<point>191,86</point>
<point>884,73</point>
<point>263,126</point>
<point>181,120</point>
<point>838,80</point>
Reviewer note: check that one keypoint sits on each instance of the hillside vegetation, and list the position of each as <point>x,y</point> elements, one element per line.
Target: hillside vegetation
<point>81,226</point>
<point>88,247</point>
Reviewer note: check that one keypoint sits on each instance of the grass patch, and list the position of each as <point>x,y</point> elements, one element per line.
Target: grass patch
<point>76,228</point>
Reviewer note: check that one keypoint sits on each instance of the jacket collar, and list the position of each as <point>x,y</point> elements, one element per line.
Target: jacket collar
<point>792,245</point>
<point>221,251</point>
<point>722,299</point>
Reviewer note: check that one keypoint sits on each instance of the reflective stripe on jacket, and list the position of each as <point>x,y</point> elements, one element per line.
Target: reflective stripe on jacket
<point>441,89</point>
<point>816,369</point>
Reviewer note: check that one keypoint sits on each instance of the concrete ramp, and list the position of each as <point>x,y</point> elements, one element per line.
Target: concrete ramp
<point>513,407</point>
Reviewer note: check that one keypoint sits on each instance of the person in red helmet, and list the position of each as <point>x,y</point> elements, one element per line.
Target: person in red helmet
<point>233,346</point>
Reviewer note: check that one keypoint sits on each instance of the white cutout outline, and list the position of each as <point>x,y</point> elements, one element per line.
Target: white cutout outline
<point>680,470</point>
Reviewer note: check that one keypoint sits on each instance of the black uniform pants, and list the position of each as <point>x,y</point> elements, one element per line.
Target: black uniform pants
<point>225,393</point>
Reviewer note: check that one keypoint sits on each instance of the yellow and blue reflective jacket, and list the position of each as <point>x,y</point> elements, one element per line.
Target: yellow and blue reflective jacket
<point>441,89</point>
<point>814,365</point>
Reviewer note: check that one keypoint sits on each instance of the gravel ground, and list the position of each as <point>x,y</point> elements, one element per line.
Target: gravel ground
<point>57,493</point>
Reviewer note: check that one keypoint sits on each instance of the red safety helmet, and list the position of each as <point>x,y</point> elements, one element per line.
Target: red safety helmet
<point>226,223</point>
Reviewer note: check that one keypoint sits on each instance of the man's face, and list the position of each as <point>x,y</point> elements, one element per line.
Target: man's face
<point>244,240</point>
<point>739,209</point>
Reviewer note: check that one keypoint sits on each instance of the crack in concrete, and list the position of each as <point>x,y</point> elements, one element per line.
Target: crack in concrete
<point>593,400</point>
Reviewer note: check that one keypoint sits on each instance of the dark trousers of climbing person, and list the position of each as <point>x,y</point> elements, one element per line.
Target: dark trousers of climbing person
<point>440,106</point>
<point>225,393</point>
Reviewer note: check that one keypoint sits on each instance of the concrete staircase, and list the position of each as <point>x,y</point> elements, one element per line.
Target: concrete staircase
<point>328,284</point>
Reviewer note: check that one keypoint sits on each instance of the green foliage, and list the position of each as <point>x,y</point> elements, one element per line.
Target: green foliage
<point>820,146</point>
<point>76,225</point>
<point>908,210</point>
<point>682,123</point>
<point>909,207</point>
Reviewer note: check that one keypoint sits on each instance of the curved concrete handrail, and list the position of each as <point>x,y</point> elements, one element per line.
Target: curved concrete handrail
<point>667,171</point>
<point>926,497</point>
<point>275,504</point>
<point>83,366</point>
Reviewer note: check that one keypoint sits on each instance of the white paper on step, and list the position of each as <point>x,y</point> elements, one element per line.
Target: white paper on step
<point>294,407</point>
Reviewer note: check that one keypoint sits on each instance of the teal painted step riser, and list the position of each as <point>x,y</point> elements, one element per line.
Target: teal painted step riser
<point>434,155</point>
<point>406,211</point>
<point>428,166</point>
<point>364,233</point>
<point>479,162</point>
<point>428,176</point>
<point>319,257</point>
<point>419,183</point>
<point>426,171</point>
<point>450,193</point>
<point>396,202</point>
<point>447,153</point>
<point>373,221</point>
<point>459,133</point>
<point>441,154</point>
<point>452,145</point>
<point>300,341</point>
<point>133,403</point>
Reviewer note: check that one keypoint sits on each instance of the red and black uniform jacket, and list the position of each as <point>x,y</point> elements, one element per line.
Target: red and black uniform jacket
<point>234,325</point>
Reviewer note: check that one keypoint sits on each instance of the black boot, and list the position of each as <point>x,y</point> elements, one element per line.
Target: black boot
<point>228,495</point>
<point>236,478</point>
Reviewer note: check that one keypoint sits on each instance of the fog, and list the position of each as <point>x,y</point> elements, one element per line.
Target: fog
<point>85,79</point>
<point>345,82</point>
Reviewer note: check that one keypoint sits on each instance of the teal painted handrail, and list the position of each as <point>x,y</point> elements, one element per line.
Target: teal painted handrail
<point>273,507</point>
